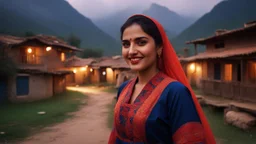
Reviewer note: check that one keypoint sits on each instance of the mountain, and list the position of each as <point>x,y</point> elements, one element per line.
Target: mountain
<point>171,21</point>
<point>111,24</point>
<point>228,14</point>
<point>53,17</point>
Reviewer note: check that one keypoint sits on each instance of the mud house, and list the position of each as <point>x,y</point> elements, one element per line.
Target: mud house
<point>40,62</point>
<point>228,66</point>
<point>112,70</point>
<point>82,71</point>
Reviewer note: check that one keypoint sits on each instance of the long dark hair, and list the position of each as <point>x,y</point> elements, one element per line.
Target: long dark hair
<point>147,25</point>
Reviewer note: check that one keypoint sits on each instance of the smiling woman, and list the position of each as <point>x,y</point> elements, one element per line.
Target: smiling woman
<point>158,106</point>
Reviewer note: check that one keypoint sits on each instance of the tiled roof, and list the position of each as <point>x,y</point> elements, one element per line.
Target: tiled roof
<point>48,40</point>
<point>221,53</point>
<point>75,61</point>
<point>113,62</point>
<point>247,27</point>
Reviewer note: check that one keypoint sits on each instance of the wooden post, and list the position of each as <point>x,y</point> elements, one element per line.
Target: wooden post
<point>242,71</point>
<point>195,49</point>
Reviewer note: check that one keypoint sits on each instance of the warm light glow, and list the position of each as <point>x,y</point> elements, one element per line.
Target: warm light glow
<point>62,56</point>
<point>91,70</point>
<point>74,71</point>
<point>104,73</point>
<point>192,67</point>
<point>228,72</point>
<point>83,68</point>
<point>198,69</point>
<point>29,50</point>
<point>48,48</point>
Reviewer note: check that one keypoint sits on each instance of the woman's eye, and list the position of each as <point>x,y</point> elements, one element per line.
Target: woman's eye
<point>142,43</point>
<point>126,44</point>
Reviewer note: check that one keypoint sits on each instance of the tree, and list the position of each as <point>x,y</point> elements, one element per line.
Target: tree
<point>74,40</point>
<point>8,67</point>
<point>95,53</point>
<point>29,34</point>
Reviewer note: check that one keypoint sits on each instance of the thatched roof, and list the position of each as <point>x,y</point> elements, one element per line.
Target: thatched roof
<point>48,40</point>
<point>222,53</point>
<point>223,33</point>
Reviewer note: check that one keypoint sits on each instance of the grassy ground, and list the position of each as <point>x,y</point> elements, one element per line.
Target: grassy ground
<point>228,134</point>
<point>20,120</point>
<point>111,107</point>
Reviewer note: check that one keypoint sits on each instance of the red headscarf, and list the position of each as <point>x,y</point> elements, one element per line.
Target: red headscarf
<point>170,65</point>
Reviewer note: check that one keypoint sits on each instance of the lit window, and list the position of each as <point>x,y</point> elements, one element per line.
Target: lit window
<point>252,70</point>
<point>29,50</point>
<point>48,48</point>
<point>62,56</point>
<point>228,72</point>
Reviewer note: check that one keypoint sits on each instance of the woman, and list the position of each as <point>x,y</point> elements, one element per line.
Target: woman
<point>159,105</point>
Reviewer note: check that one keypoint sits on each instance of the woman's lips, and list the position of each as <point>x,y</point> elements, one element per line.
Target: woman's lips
<point>135,60</point>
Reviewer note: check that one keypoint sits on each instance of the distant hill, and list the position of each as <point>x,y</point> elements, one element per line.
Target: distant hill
<point>111,24</point>
<point>53,17</point>
<point>171,21</point>
<point>229,14</point>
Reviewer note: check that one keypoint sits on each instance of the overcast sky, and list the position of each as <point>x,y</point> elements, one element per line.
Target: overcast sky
<point>98,8</point>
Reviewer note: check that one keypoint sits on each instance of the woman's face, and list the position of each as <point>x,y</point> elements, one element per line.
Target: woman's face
<point>139,49</point>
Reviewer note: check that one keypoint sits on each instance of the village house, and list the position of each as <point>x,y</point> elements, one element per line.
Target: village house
<point>40,66</point>
<point>228,66</point>
<point>112,70</point>
<point>82,71</point>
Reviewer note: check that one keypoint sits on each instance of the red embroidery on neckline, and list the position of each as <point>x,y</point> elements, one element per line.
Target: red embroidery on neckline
<point>130,119</point>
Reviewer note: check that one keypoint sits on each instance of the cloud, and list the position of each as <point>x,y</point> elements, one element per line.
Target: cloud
<point>99,8</point>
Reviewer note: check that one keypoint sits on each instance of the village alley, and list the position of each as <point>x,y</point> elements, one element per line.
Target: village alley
<point>88,126</point>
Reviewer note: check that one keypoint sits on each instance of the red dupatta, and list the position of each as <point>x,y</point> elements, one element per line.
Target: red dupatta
<point>170,65</point>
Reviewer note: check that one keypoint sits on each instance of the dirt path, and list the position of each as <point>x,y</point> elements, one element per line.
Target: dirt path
<point>89,126</point>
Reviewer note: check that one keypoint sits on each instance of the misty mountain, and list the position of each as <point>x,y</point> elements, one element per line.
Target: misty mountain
<point>111,24</point>
<point>229,14</point>
<point>53,17</point>
<point>171,21</point>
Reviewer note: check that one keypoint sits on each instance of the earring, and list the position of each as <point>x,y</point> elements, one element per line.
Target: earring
<point>159,55</point>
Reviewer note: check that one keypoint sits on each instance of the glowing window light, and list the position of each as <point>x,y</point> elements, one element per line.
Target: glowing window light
<point>83,68</point>
<point>192,67</point>
<point>62,57</point>
<point>29,50</point>
<point>48,48</point>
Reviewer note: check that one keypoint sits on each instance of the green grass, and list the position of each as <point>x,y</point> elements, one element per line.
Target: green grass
<point>111,107</point>
<point>18,121</point>
<point>228,134</point>
<point>197,91</point>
